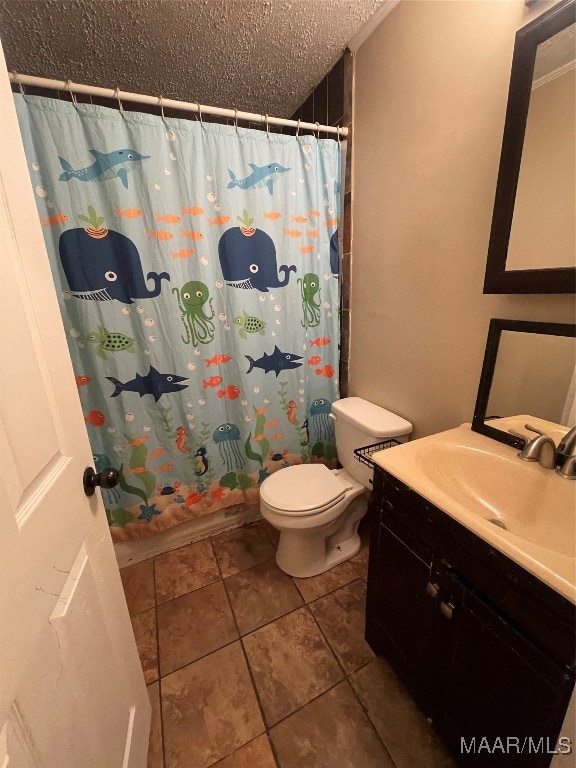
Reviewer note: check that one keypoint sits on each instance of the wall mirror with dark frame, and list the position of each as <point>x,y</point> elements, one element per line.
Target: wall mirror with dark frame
<point>528,377</point>
<point>532,246</point>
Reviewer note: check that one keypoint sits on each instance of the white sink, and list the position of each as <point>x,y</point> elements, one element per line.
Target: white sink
<point>520,508</point>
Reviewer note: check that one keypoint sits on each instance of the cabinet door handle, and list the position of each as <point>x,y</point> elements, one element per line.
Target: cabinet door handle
<point>432,589</point>
<point>446,610</point>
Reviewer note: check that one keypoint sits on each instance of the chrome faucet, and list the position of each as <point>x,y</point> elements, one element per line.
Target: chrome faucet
<point>541,448</point>
<point>566,445</point>
<point>568,469</point>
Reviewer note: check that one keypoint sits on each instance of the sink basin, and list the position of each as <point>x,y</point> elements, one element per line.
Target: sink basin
<point>519,508</point>
<point>520,497</point>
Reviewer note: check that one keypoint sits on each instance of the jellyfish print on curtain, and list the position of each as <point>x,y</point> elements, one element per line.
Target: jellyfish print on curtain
<point>196,271</point>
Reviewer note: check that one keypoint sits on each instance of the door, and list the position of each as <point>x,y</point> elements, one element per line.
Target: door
<point>72,694</point>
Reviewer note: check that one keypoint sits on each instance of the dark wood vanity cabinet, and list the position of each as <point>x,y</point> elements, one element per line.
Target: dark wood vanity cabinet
<point>485,649</point>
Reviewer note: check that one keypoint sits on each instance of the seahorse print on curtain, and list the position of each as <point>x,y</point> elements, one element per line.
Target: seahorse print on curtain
<point>194,266</point>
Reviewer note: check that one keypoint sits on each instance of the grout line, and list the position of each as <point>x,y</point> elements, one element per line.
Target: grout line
<point>161,713</point>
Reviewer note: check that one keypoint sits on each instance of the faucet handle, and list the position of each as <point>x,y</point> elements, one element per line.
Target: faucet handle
<point>518,434</point>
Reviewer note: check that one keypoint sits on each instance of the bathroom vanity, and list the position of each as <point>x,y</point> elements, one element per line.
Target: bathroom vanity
<point>471,598</point>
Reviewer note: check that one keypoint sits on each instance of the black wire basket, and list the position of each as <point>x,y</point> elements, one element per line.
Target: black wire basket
<point>364,454</point>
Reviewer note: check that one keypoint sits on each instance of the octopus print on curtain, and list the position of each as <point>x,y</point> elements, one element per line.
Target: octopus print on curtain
<point>196,269</point>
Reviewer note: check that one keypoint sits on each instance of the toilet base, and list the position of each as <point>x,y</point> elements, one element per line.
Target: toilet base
<point>303,554</point>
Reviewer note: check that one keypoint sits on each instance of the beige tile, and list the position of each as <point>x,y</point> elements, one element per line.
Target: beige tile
<point>256,754</point>
<point>242,548</point>
<point>209,709</point>
<point>272,533</point>
<point>341,616</point>
<point>261,594</point>
<point>330,732</point>
<point>408,736</point>
<point>138,583</point>
<point>316,586</point>
<point>155,753</point>
<point>193,625</point>
<point>144,626</point>
<point>291,664</point>
<point>184,570</point>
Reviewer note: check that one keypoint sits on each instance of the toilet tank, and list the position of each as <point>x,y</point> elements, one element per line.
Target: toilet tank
<point>357,423</point>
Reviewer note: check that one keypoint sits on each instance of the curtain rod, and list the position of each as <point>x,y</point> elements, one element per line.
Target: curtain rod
<point>159,101</point>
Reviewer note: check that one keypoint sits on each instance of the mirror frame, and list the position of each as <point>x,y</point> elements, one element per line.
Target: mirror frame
<point>497,279</point>
<point>498,325</point>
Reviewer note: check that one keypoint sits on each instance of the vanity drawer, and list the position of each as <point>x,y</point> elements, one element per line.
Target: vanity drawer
<point>529,605</point>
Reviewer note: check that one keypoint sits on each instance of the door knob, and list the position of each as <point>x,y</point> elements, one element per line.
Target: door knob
<point>107,478</point>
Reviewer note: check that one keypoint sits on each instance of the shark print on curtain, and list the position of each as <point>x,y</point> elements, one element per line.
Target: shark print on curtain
<point>196,267</point>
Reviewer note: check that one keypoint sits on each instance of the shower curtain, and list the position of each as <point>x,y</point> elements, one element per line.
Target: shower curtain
<point>196,267</point>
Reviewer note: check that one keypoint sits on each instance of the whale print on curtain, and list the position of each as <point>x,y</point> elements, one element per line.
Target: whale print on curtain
<point>196,270</point>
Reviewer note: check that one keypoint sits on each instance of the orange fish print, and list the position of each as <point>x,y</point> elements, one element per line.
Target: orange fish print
<point>291,415</point>
<point>231,392</point>
<point>95,418</point>
<point>219,220</point>
<point>136,471</point>
<point>257,438</point>
<point>313,214</point>
<point>160,234</point>
<point>217,494</point>
<point>273,215</point>
<point>181,439</point>
<point>271,423</point>
<point>138,440</point>
<point>195,211</point>
<point>184,253</point>
<point>191,235</point>
<point>307,249</point>
<point>292,233</point>
<point>217,360</point>
<point>167,218</point>
<point>299,219</point>
<point>193,498</point>
<point>327,371</point>
<point>56,218</point>
<point>312,233</point>
<point>330,222</point>
<point>277,436</point>
<point>82,380</point>
<point>157,452</point>
<point>314,360</point>
<point>321,342</point>
<point>260,411</point>
<point>128,213</point>
<point>165,468</point>
<point>214,381</point>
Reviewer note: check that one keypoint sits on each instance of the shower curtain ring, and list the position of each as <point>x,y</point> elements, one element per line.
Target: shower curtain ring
<point>236,118</point>
<point>161,102</point>
<point>199,112</point>
<point>72,96</point>
<point>298,129</point>
<point>117,94</point>
<point>18,83</point>
<point>338,132</point>
<point>267,127</point>
<point>317,130</point>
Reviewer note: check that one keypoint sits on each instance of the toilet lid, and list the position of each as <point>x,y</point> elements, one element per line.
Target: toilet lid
<point>303,489</point>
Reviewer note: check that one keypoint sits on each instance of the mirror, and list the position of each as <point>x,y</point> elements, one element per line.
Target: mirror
<point>528,377</point>
<point>532,245</point>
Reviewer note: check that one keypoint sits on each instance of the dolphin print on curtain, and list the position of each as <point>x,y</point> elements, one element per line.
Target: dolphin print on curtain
<point>197,273</point>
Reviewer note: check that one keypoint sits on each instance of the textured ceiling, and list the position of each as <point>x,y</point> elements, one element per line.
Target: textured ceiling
<point>261,56</point>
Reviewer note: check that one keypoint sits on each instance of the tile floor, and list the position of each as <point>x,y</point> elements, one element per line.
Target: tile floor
<point>247,667</point>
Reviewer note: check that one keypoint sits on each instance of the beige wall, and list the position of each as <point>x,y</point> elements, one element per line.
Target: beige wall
<point>430,99</point>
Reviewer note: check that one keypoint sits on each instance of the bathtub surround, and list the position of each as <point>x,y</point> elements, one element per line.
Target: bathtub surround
<point>266,670</point>
<point>431,86</point>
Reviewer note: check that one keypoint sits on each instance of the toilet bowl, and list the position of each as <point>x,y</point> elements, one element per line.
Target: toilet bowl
<point>318,510</point>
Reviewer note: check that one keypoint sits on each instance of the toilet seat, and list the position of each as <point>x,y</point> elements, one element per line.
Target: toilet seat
<point>305,489</point>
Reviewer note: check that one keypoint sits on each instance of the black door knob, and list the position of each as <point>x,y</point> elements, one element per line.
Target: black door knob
<point>107,478</point>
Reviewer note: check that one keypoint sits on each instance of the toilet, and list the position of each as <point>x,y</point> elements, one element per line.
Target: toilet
<point>317,510</point>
